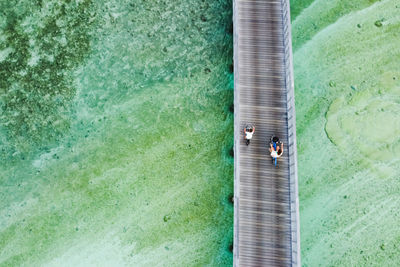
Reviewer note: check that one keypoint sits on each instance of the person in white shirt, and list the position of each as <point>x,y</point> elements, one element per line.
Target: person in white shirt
<point>248,133</point>
<point>276,153</point>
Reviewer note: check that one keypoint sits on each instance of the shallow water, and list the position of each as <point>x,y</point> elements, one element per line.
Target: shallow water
<point>347,76</point>
<point>115,131</point>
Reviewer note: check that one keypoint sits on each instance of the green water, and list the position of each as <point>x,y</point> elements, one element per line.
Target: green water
<point>347,79</point>
<point>115,131</point>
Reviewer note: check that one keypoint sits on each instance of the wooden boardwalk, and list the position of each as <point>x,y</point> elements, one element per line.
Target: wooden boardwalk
<point>266,204</point>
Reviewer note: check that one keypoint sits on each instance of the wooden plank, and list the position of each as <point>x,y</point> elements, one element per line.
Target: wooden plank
<point>264,229</point>
<point>255,262</point>
<point>267,260</point>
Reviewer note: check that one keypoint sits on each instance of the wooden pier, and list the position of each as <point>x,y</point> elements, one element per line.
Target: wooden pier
<point>266,223</point>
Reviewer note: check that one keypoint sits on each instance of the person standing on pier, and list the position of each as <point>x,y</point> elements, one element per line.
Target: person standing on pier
<point>248,133</point>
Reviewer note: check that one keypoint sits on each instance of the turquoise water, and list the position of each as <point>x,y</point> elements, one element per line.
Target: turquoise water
<point>115,132</point>
<point>347,72</point>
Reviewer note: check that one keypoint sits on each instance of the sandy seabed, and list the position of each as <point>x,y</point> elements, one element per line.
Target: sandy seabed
<point>347,83</point>
<point>115,133</point>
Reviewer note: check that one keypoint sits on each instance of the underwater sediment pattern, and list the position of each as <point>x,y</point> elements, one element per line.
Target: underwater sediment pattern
<point>347,79</point>
<point>115,132</point>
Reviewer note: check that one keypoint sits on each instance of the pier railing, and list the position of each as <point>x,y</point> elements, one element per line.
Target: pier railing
<point>292,148</point>
<point>236,141</point>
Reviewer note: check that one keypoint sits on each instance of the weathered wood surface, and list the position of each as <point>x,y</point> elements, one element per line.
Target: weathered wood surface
<point>263,230</point>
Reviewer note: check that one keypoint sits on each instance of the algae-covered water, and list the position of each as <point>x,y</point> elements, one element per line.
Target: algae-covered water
<point>116,127</point>
<point>347,82</point>
<point>115,132</point>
